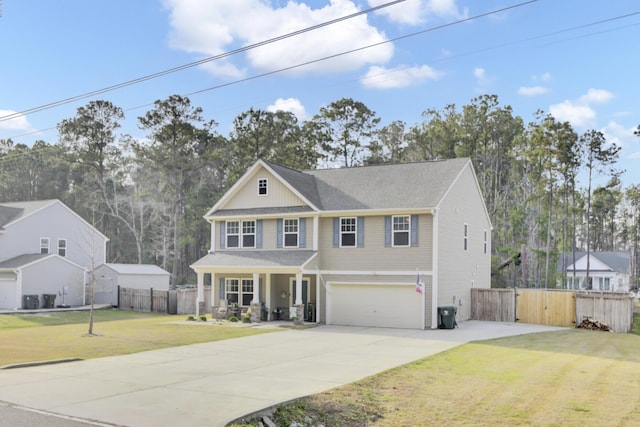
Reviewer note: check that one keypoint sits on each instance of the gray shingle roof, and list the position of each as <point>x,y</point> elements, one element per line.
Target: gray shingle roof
<point>232,259</point>
<point>21,260</point>
<point>409,185</point>
<point>8,214</point>
<point>619,261</point>
<point>137,269</point>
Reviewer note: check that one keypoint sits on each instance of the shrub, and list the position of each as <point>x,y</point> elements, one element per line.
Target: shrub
<point>203,318</point>
<point>233,319</point>
<point>246,319</point>
<point>191,318</point>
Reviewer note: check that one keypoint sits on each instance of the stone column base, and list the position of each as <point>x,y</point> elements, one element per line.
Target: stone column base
<point>255,312</point>
<point>299,319</point>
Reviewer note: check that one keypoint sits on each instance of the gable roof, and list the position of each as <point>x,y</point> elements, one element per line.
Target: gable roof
<point>390,186</point>
<point>20,210</point>
<point>141,269</point>
<point>618,261</point>
<point>25,260</point>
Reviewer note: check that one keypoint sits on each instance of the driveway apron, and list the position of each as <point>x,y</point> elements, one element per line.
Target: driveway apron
<point>211,384</point>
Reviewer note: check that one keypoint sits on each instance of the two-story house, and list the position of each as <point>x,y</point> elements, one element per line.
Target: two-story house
<point>370,246</point>
<point>46,249</point>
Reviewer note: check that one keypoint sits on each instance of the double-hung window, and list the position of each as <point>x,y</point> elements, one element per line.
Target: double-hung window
<point>44,245</point>
<point>233,234</point>
<point>466,237</point>
<point>247,292</point>
<point>485,243</point>
<point>401,229</point>
<point>290,234</point>
<point>62,247</point>
<point>240,234</point>
<point>232,290</point>
<point>248,234</point>
<point>348,231</point>
<point>262,187</point>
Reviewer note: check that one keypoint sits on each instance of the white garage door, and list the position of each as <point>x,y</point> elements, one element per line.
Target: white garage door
<point>387,306</point>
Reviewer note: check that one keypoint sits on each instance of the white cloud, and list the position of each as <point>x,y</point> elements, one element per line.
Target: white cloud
<point>401,76</point>
<point>533,90</point>
<point>19,122</point>
<point>580,115</point>
<point>619,135</point>
<point>212,27</point>
<point>479,73</point>
<point>598,96</point>
<point>292,105</point>
<point>579,112</point>
<point>414,12</point>
<point>544,77</point>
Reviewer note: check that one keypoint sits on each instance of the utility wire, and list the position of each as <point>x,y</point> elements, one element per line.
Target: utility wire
<point>193,64</point>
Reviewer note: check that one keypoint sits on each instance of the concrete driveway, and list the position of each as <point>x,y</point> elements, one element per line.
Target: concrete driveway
<point>213,383</point>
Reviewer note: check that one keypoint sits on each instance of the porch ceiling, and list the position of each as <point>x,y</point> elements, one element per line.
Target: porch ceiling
<point>253,261</point>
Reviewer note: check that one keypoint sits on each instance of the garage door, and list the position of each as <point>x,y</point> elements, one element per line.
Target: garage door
<point>387,306</point>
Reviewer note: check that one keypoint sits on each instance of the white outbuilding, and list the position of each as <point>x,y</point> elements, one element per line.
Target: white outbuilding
<point>132,276</point>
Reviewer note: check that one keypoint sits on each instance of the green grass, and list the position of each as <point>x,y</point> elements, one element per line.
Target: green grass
<point>572,377</point>
<point>51,336</point>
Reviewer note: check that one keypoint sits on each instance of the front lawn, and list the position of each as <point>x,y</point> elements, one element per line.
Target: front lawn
<point>51,336</point>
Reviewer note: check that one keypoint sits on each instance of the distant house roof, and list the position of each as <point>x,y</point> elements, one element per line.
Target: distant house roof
<point>11,212</point>
<point>389,186</point>
<point>618,261</point>
<point>133,269</point>
<point>26,259</point>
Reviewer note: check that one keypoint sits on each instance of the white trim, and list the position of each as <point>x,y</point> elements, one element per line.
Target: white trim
<point>465,237</point>
<point>368,273</point>
<point>266,187</point>
<point>393,231</point>
<point>316,231</point>
<point>292,283</point>
<point>48,239</point>
<point>66,247</point>
<point>434,279</point>
<point>212,248</point>
<point>284,233</point>
<point>354,232</point>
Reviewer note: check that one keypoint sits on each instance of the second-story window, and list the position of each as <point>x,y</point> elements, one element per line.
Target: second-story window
<point>485,243</point>
<point>233,234</point>
<point>348,229</point>
<point>44,245</point>
<point>291,233</point>
<point>466,237</point>
<point>62,247</point>
<point>262,187</point>
<point>248,234</point>
<point>401,228</point>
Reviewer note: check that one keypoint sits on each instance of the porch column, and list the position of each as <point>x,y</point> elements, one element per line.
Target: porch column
<point>299,318</point>
<point>267,291</point>
<point>200,297</point>
<point>255,302</point>
<point>213,294</point>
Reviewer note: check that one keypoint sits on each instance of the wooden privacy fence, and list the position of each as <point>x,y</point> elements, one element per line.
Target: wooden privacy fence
<point>553,307</point>
<point>180,301</point>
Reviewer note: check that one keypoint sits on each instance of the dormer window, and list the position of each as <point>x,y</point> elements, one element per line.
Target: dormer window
<point>262,187</point>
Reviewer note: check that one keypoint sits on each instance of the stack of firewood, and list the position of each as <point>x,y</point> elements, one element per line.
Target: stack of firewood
<point>594,325</point>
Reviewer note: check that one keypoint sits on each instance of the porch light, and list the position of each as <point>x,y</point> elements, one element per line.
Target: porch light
<point>283,294</point>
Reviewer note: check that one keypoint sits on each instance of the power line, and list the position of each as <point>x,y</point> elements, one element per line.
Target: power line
<point>192,64</point>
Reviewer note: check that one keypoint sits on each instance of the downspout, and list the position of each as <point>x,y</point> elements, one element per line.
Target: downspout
<point>434,276</point>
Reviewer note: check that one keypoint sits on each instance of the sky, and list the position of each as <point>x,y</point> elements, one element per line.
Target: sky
<point>575,59</point>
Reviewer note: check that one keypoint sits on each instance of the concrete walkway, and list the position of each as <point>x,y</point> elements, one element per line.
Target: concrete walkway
<point>213,383</point>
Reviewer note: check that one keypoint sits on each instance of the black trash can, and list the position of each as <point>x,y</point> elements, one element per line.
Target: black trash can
<point>49,300</point>
<point>30,302</point>
<point>447,317</point>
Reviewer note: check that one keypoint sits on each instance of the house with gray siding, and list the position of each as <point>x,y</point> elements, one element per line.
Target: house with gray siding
<point>46,249</point>
<point>382,246</point>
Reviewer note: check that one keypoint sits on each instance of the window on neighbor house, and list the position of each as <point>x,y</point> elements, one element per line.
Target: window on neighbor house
<point>232,290</point>
<point>248,234</point>
<point>233,234</point>
<point>348,231</point>
<point>62,247</point>
<point>466,237</point>
<point>485,243</point>
<point>401,228</point>
<point>44,245</point>
<point>247,292</point>
<point>290,233</point>
<point>262,187</point>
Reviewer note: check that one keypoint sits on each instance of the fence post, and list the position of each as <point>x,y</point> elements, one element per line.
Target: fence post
<point>118,296</point>
<point>151,299</point>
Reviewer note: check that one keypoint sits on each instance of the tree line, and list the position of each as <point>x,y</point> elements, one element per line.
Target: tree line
<point>148,195</point>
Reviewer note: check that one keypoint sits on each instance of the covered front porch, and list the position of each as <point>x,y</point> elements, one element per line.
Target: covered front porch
<point>266,285</point>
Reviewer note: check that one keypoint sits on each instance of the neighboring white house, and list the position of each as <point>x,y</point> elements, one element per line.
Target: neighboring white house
<point>385,245</point>
<point>608,271</point>
<point>46,249</point>
<point>133,276</point>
